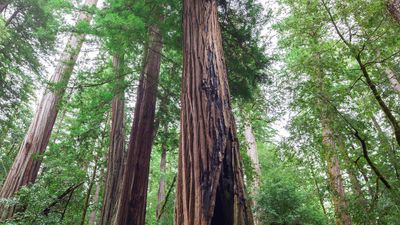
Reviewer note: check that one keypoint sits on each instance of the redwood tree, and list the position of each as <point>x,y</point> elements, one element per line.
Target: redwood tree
<point>116,150</point>
<point>210,187</point>
<point>25,167</point>
<point>132,205</point>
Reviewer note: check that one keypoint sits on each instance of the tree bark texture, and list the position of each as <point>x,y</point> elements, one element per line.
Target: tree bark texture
<point>334,175</point>
<point>210,186</point>
<point>3,6</point>
<point>161,183</point>
<point>25,167</point>
<point>393,79</point>
<point>252,153</point>
<point>116,150</point>
<point>132,207</point>
<point>88,193</point>
<point>318,190</point>
<point>394,9</point>
<point>335,180</point>
<point>92,216</point>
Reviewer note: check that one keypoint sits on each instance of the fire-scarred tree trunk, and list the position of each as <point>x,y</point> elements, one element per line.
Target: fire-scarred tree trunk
<point>210,187</point>
<point>116,151</point>
<point>132,206</point>
<point>25,167</point>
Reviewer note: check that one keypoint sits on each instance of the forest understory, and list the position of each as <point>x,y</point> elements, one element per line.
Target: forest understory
<point>200,112</point>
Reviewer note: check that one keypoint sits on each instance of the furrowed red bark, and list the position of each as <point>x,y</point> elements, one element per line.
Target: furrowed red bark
<point>132,206</point>
<point>210,187</point>
<point>116,150</point>
<point>25,167</point>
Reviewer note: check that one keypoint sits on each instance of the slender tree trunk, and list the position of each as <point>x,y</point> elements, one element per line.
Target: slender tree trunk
<point>88,193</point>
<point>371,85</point>
<point>334,175</point>
<point>386,110</point>
<point>132,207</point>
<point>25,167</point>
<point>161,183</point>
<point>116,150</point>
<point>210,186</point>
<point>252,153</point>
<point>393,79</point>
<point>394,9</point>
<point>390,74</point>
<point>3,6</point>
<point>318,190</point>
<point>12,17</point>
<point>331,156</point>
<point>360,200</point>
<point>92,216</point>
<point>390,150</point>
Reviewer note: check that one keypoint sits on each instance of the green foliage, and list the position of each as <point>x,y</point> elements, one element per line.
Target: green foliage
<point>286,196</point>
<point>315,71</point>
<point>244,47</point>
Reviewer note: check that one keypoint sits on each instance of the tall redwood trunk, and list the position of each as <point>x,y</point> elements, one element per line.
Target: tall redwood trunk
<point>161,183</point>
<point>25,168</point>
<point>210,187</point>
<point>116,150</point>
<point>132,206</point>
